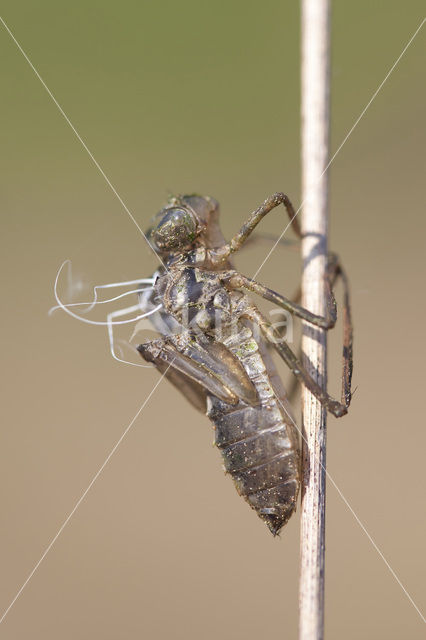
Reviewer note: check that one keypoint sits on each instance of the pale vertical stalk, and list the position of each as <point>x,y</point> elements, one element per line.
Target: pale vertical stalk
<point>315,137</point>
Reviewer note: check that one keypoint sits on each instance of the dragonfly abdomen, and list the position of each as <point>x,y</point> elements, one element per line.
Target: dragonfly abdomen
<point>256,441</point>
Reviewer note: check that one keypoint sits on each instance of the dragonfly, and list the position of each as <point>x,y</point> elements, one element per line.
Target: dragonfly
<point>216,346</point>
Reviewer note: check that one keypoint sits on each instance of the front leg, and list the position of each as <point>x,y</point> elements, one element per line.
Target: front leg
<point>218,256</point>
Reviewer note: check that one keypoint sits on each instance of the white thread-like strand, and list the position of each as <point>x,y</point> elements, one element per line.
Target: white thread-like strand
<point>114,314</point>
<point>110,323</point>
<point>123,284</point>
<point>96,302</point>
<point>110,285</point>
<point>118,284</point>
<point>117,358</point>
<point>97,322</point>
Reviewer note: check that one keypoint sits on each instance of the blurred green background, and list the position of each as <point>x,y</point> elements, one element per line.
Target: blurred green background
<point>201,96</point>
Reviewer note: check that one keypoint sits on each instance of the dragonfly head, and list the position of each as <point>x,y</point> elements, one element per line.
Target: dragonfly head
<point>179,224</point>
<point>176,229</point>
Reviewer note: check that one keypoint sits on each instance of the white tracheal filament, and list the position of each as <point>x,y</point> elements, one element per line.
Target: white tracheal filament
<point>111,317</point>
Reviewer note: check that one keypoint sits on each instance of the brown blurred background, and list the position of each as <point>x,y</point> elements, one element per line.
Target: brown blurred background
<point>198,96</point>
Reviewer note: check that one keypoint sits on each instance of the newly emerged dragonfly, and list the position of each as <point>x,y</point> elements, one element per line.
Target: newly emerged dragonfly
<point>215,347</point>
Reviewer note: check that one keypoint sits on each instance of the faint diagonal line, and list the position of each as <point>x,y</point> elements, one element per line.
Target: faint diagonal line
<point>374,545</point>
<point>339,491</point>
<point>80,500</point>
<point>80,139</point>
<point>361,115</point>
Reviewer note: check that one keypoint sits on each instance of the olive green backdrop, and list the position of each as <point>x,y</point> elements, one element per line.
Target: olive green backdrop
<point>200,96</point>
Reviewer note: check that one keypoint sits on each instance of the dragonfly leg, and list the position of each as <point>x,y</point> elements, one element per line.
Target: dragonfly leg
<point>335,272</point>
<point>211,366</point>
<point>239,281</point>
<point>281,326</point>
<point>222,253</point>
<point>338,409</point>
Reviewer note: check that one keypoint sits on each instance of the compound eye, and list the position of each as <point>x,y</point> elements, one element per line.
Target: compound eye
<point>176,230</point>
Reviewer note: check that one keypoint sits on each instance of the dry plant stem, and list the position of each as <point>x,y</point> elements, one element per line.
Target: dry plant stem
<point>315,135</point>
